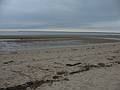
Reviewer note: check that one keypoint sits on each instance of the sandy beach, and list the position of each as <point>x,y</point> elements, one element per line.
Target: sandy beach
<point>80,67</point>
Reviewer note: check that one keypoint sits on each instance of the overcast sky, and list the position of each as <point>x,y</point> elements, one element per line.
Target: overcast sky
<point>60,14</point>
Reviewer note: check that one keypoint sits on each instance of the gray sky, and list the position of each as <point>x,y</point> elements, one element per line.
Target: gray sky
<point>60,14</point>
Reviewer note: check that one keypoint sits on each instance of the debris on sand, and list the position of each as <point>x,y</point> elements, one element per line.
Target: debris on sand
<point>8,62</point>
<point>73,64</point>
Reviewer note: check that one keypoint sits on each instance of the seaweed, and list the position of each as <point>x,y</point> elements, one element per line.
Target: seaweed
<point>32,84</point>
<point>8,62</point>
<point>73,64</point>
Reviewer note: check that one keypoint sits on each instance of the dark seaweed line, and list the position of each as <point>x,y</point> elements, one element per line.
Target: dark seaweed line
<point>89,67</point>
<point>32,84</point>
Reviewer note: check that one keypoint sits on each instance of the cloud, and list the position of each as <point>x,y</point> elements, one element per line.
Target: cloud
<point>57,13</point>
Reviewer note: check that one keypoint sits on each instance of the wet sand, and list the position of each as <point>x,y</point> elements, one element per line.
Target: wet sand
<point>79,67</point>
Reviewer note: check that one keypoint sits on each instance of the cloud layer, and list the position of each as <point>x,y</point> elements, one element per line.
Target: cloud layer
<point>58,13</point>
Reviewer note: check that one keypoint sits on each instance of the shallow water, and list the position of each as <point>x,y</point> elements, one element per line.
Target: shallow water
<point>13,46</point>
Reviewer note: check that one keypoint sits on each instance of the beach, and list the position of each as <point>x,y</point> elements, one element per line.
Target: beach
<point>75,67</point>
<point>59,44</point>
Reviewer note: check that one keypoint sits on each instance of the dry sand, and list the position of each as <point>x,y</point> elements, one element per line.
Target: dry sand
<point>84,67</point>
